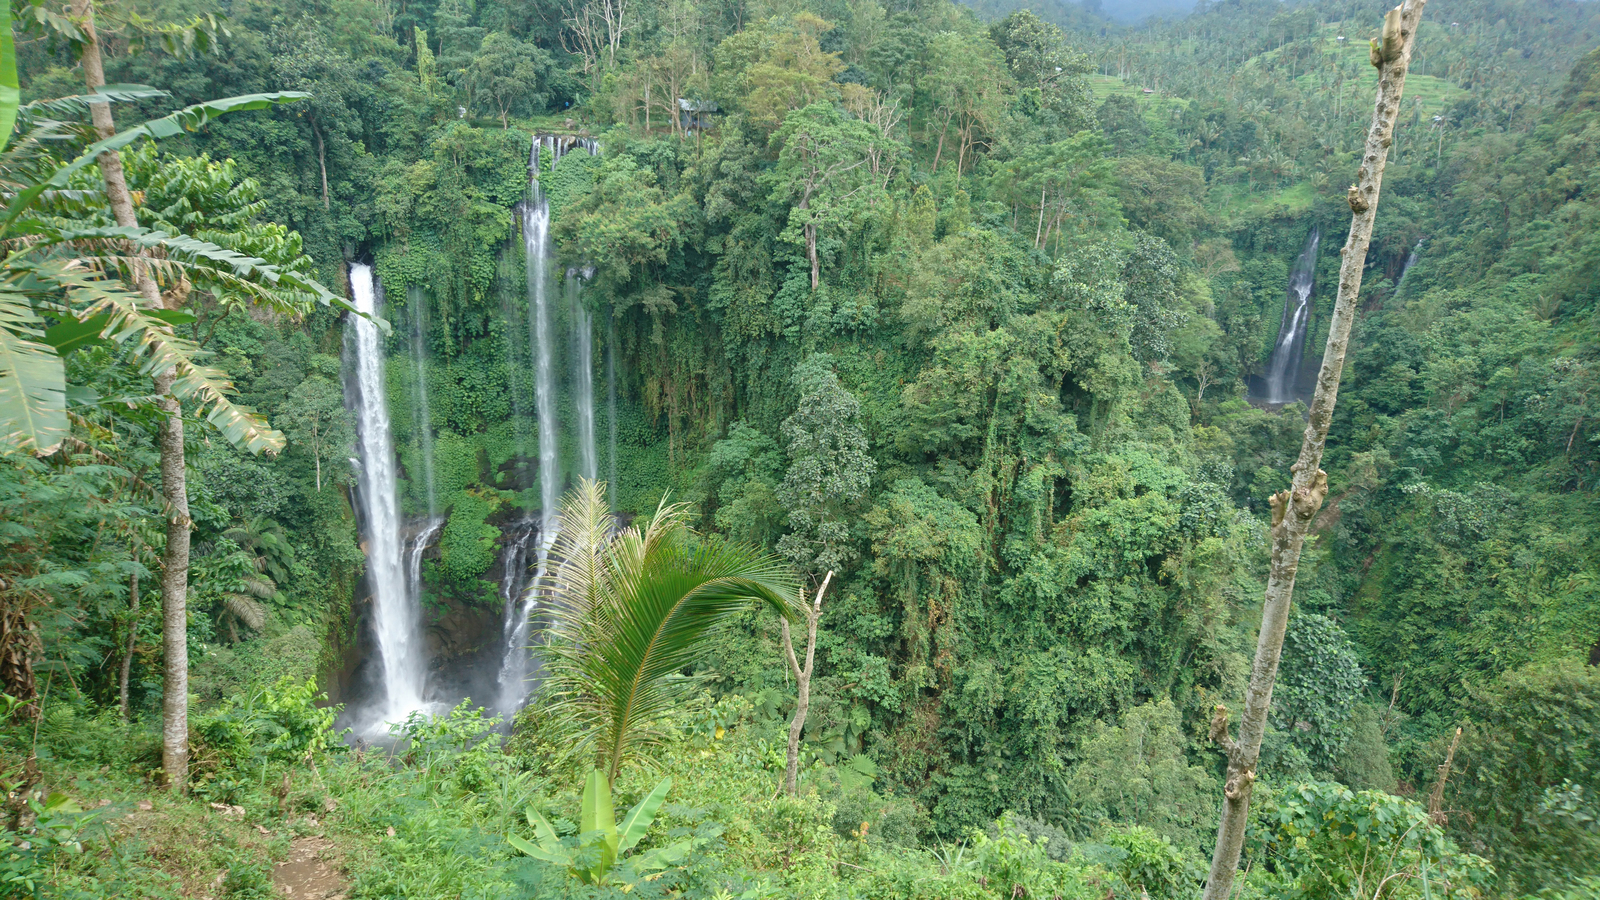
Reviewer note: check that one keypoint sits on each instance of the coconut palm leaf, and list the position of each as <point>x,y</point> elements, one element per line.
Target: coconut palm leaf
<point>250,613</point>
<point>632,610</point>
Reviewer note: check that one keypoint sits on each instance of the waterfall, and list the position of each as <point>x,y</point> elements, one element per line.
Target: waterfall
<point>582,372</point>
<point>516,559</point>
<point>418,545</point>
<point>1283,368</point>
<point>536,238</point>
<point>396,621</point>
<point>1411,260</point>
<point>611,408</point>
<point>514,666</point>
<point>422,413</point>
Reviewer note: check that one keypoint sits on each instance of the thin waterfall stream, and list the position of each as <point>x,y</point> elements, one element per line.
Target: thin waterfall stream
<point>582,371</point>
<point>396,613</point>
<point>1283,368</point>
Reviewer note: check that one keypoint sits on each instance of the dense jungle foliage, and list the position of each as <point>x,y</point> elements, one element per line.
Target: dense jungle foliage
<point>966,306</point>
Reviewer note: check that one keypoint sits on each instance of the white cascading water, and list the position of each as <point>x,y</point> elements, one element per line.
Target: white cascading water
<point>582,372</point>
<point>396,619</point>
<point>422,413</point>
<point>1283,368</point>
<point>515,665</point>
<point>1411,260</point>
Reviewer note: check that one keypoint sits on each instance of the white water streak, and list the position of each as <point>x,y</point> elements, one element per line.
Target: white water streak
<point>396,615</point>
<point>1283,368</point>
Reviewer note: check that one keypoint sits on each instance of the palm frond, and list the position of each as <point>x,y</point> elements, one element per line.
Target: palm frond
<point>78,104</point>
<point>246,609</point>
<point>159,351</point>
<point>171,257</point>
<point>33,402</point>
<point>636,609</point>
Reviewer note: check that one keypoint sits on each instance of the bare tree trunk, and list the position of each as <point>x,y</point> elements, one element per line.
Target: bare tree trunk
<point>1436,799</point>
<point>802,678</point>
<point>1293,510</point>
<point>175,558</point>
<point>133,637</point>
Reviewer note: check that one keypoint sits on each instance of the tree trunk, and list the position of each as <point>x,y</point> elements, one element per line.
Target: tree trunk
<point>811,240</point>
<point>811,253</point>
<point>133,637</point>
<point>322,163</point>
<point>175,558</point>
<point>1293,510</point>
<point>802,679</point>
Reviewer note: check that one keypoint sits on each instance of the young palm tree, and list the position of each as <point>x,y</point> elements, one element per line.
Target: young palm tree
<point>632,608</point>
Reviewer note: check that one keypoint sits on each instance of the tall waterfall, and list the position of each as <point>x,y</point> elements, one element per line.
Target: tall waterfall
<point>1283,368</point>
<point>396,617</point>
<point>421,412</point>
<point>582,372</point>
<point>514,666</point>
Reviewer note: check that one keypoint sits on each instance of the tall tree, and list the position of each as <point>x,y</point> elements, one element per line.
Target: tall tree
<point>829,470</point>
<point>174,480</point>
<point>1293,510</point>
<point>825,168</point>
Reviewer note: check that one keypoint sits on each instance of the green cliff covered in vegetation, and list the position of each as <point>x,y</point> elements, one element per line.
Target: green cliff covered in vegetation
<point>969,309</point>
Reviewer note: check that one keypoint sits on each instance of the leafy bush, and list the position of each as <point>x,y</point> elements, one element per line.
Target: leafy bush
<point>1334,843</point>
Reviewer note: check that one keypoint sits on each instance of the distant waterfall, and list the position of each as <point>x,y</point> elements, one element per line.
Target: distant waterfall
<point>582,372</point>
<point>536,237</point>
<point>396,617</point>
<point>422,413</point>
<point>1411,260</point>
<point>1283,368</point>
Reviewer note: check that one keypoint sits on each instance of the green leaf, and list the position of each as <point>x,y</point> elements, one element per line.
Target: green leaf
<point>173,316</point>
<point>77,104</point>
<point>159,351</point>
<point>660,858</point>
<point>541,827</point>
<point>639,819</point>
<point>71,334</point>
<point>558,855</point>
<point>9,95</point>
<point>597,815</point>
<point>33,405</point>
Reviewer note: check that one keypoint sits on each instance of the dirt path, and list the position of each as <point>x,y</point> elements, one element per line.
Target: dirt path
<point>311,872</point>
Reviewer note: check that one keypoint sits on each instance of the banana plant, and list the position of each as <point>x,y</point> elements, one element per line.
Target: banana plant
<point>601,842</point>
